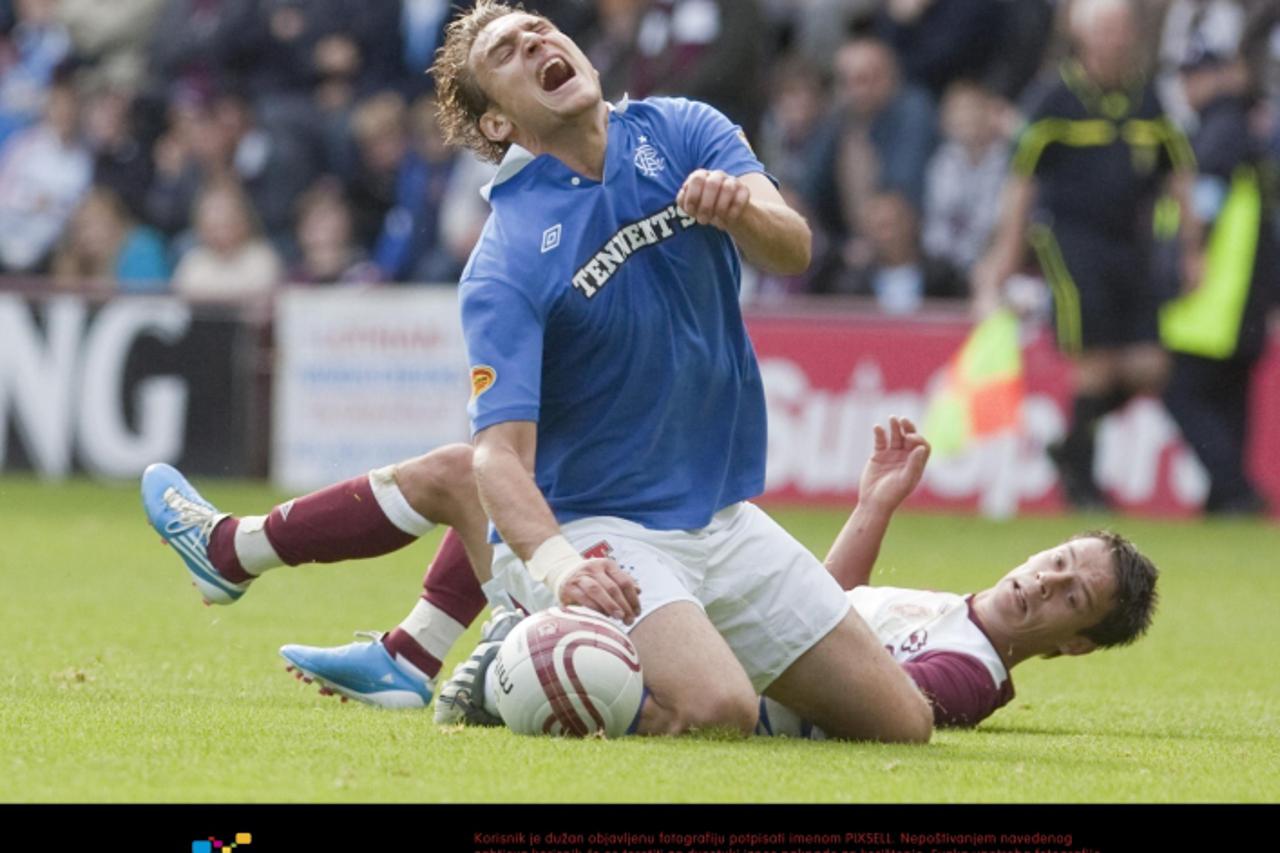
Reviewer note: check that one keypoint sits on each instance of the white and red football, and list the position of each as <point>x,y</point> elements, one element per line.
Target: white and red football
<point>568,671</point>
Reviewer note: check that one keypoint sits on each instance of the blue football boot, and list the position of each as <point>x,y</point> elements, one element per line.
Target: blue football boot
<point>185,520</point>
<point>365,672</point>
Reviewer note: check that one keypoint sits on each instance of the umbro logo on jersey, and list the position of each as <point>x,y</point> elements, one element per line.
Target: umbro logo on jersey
<point>285,509</point>
<point>648,160</point>
<point>551,238</point>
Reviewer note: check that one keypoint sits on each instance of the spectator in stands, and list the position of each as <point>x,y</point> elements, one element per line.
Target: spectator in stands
<point>463,211</point>
<point>1260,49</point>
<point>797,100</point>
<point>198,47</point>
<point>44,171</point>
<point>788,137</point>
<point>1194,27</point>
<point>415,203</point>
<point>284,44</point>
<point>962,186</point>
<point>121,160</point>
<point>322,51</point>
<point>817,28</point>
<point>410,246</point>
<point>708,50</point>
<point>219,139</point>
<point>611,46</point>
<point>1026,29</point>
<point>379,128</point>
<point>574,18</point>
<point>373,30</point>
<point>104,248</point>
<point>189,150</point>
<point>422,24</point>
<point>879,138</point>
<point>940,41</point>
<point>324,239</point>
<point>112,38</point>
<point>273,163</point>
<point>30,53</point>
<point>888,263</point>
<point>230,260</point>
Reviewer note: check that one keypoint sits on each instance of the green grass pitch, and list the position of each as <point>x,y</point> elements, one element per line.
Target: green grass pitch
<point>118,686</point>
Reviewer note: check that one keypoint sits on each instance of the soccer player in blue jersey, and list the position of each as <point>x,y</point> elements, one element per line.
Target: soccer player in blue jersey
<point>617,411</point>
<point>617,407</point>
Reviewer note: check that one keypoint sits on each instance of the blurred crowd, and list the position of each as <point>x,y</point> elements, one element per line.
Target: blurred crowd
<point>220,148</point>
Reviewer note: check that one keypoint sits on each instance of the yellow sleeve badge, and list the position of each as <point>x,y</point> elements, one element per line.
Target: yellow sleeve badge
<point>482,378</point>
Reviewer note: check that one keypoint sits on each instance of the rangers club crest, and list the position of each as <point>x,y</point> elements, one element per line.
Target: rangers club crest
<point>648,160</point>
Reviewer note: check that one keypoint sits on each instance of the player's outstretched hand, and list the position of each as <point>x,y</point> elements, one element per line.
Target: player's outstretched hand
<point>603,586</point>
<point>895,467</point>
<point>713,198</point>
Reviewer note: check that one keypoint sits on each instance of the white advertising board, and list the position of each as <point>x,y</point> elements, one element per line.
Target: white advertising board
<point>364,378</point>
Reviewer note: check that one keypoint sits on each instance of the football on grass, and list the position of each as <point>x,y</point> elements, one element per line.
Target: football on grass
<point>568,671</point>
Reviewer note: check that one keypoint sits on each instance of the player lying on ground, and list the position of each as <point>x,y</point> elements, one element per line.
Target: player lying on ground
<point>1090,592</point>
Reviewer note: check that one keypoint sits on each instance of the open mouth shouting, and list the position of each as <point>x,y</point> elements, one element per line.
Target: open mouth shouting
<point>554,73</point>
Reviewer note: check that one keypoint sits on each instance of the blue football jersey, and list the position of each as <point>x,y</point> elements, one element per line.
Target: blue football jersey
<point>601,312</point>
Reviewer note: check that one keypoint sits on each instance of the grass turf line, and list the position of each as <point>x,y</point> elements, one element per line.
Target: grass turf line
<point>120,687</point>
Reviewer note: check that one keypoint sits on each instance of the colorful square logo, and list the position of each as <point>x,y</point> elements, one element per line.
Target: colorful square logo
<point>211,844</point>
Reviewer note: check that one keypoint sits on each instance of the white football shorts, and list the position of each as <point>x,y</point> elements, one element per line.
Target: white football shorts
<point>764,592</point>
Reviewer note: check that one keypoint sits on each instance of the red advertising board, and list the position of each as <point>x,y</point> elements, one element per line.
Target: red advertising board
<point>830,377</point>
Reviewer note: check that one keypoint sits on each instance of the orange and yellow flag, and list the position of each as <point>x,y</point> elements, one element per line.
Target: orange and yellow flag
<point>982,390</point>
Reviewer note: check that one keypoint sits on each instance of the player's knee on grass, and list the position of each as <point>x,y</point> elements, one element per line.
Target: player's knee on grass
<point>440,484</point>
<point>733,711</point>
<point>910,721</point>
<point>713,707</point>
<point>849,686</point>
<point>694,680</point>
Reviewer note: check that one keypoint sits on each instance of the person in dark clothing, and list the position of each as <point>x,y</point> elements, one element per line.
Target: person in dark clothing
<point>878,138</point>
<point>940,41</point>
<point>1095,156</point>
<point>121,159</point>
<point>224,138</point>
<point>889,264</point>
<point>708,50</point>
<point>1218,332</point>
<point>198,45</point>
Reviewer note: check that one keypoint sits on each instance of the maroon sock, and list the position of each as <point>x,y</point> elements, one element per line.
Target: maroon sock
<point>222,551</point>
<point>400,643</point>
<point>342,522</point>
<point>450,582</point>
<point>450,586</point>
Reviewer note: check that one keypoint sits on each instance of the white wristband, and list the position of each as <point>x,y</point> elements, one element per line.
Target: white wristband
<point>552,563</point>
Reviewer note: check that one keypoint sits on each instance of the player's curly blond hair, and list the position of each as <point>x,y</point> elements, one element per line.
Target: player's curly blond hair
<point>459,99</point>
